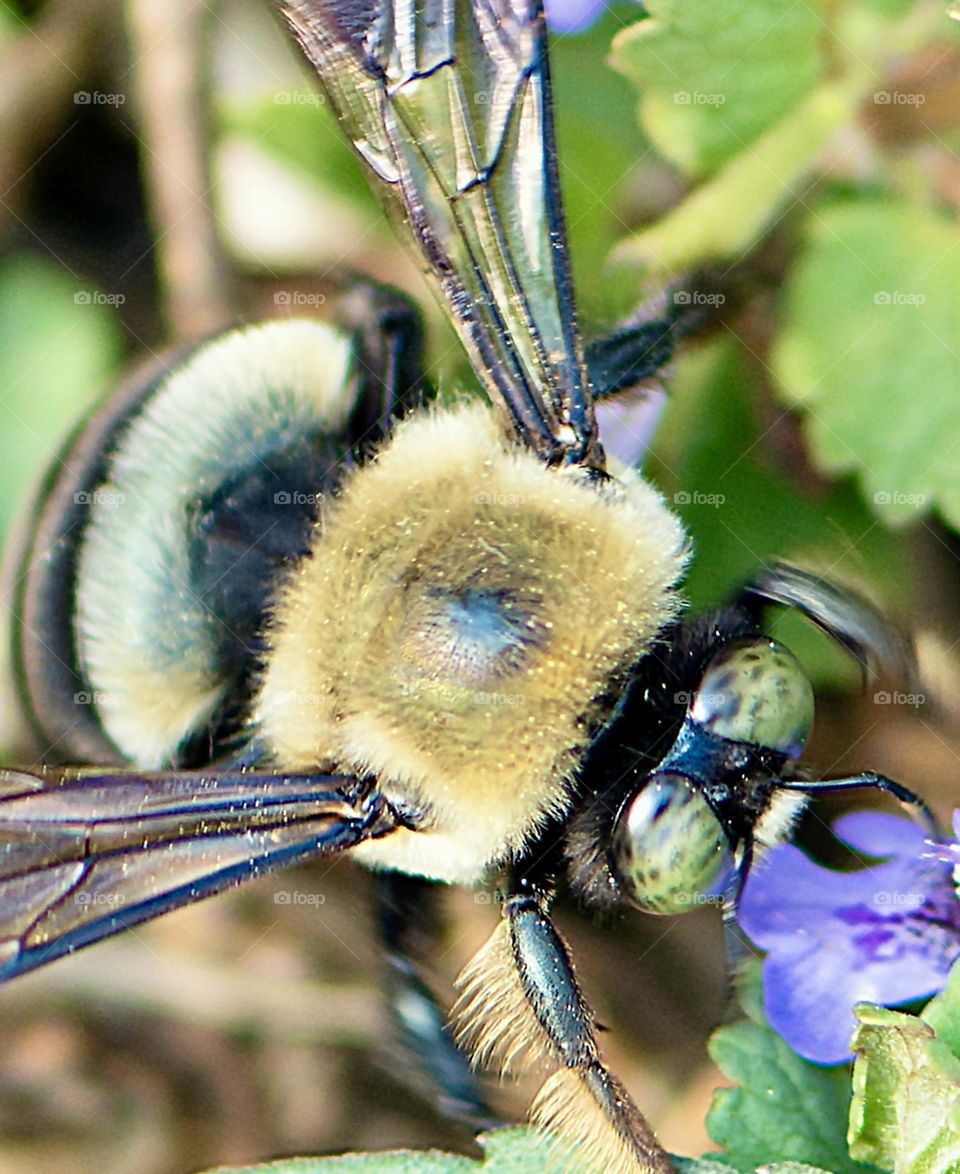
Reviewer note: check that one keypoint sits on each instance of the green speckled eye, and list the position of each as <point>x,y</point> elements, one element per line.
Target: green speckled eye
<point>669,851</point>
<point>755,691</point>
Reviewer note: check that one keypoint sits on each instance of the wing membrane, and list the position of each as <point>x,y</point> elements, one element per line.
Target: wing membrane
<point>448,103</point>
<point>86,854</point>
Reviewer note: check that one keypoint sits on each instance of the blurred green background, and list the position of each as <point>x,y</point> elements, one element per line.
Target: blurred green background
<point>167,167</point>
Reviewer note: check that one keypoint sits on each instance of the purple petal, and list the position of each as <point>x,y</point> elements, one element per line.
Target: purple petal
<point>628,421</point>
<point>787,894</point>
<point>572,16</point>
<point>817,1022</point>
<point>878,833</point>
<point>782,893</point>
<point>886,934</point>
<point>809,997</point>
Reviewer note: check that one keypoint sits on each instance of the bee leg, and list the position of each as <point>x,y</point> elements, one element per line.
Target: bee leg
<point>520,995</point>
<point>409,919</point>
<point>648,340</point>
<point>619,361</point>
<point>388,353</point>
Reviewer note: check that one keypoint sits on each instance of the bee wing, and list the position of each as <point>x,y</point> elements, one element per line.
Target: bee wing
<point>85,854</point>
<point>448,103</point>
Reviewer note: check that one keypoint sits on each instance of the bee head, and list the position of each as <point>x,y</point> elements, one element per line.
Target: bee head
<point>681,838</point>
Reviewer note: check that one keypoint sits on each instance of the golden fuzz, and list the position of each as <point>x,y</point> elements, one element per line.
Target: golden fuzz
<point>462,615</point>
<point>496,1024</point>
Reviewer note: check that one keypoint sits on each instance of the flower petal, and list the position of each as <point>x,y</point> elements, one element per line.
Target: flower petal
<point>572,16</point>
<point>886,934</point>
<point>877,833</point>
<point>787,893</point>
<point>811,1007</point>
<point>627,423</point>
<point>809,999</point>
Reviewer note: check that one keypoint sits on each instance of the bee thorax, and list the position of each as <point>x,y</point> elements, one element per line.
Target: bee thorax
<point>435,636</point>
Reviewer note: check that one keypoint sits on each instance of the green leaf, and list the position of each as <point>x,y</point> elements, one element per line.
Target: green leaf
<point>741,495</point>
<point>700,1166</point>
<point>943,1012</point>
<point>706,1166</point>
<point>59,341</point>
<point>713,76</point>
<point>870,352</point>
<point>726,215</point>
<point>298,128</point>
<point>790,1168</point>
<point>905,1115</point>
<point>784,1109</point>
<point>506,1151</point>
<point>394,1162</point>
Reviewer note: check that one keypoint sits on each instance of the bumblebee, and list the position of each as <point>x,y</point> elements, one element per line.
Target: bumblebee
<point>288,605</point>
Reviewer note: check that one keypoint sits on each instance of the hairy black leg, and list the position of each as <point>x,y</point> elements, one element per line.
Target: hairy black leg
<point>620,361</point>
<point>409,920</point>
<point>520,1005</point>
<point>646,343</point>
<point>388,349</point>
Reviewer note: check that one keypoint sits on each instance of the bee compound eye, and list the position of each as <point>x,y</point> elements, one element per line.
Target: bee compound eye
<point>756,691</point>
<point>669,851</point>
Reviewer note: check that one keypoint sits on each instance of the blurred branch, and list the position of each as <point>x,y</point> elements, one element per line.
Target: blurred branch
<point>168,47</point>
<point>122,974</point>
<point>40,72</point>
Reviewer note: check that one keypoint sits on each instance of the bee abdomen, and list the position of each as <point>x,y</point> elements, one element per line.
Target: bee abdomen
<point>146,584</point>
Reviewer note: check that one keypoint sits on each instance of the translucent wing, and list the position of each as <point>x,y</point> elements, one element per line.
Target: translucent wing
<point>85,854</point>
<point>448,103</point>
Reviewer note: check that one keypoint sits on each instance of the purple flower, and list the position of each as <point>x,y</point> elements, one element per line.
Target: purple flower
<point>627,423</point>
<point>885,934</point>
<point>572,16</point>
